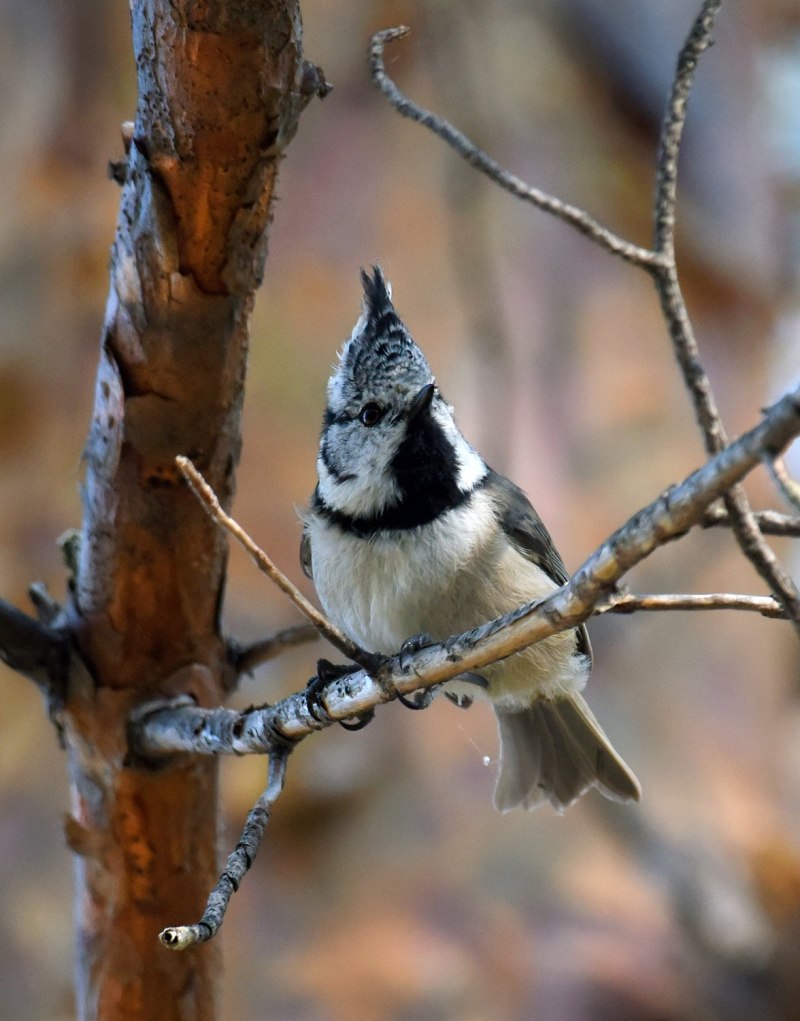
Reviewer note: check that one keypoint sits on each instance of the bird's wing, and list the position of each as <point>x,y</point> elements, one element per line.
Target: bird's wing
<point>527,533</point>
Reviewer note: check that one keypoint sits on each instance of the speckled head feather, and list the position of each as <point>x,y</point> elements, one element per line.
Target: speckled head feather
<point>380,356</point>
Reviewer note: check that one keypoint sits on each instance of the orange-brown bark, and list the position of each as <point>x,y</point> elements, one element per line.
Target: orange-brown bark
<point>220,92</point>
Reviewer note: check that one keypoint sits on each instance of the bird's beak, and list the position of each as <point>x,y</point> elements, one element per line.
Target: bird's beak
<point>421,402</point>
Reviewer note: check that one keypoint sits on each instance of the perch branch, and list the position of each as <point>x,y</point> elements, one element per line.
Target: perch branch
<point>160,731</point>
<point>329,631</point>
<point>477,158</point>
<point>163,729</point>
<point>180,937</point>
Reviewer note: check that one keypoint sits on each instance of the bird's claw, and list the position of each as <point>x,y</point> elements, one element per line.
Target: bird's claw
<point>420,699</point>
<point>412,645</point>
<point>359,722</point>
<point>327,672</point>
<point>461,701</point>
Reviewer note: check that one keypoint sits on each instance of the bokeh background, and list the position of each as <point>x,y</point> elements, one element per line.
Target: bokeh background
<point>388,887</point>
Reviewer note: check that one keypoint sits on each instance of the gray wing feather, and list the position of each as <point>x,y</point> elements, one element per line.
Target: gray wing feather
<point>527,532</point>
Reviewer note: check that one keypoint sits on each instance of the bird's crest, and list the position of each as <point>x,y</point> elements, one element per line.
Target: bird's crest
<point>380,355</point>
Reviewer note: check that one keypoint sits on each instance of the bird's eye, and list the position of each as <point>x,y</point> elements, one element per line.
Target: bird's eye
<point>370,414</point>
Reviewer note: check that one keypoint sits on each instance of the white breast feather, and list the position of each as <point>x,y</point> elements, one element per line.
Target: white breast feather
<point>441,579</point>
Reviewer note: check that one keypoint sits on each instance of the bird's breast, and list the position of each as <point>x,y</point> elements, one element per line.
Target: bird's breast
<point>383,588</point>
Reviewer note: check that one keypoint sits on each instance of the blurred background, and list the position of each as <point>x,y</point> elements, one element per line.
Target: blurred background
<point>388,887</point>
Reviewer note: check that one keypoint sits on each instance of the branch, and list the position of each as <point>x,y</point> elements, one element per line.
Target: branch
<point>673,305</point>
<point>779,473</point>
<point>328,630</point>
<point>769,522</point>
<point>631,603</point>
<point>697,42</point>
<point>659,262</point>
<point>160,730</point>
<point>181,937</point>
<point>33,649</point>
<point>477,158</point>
<point>246,659</point>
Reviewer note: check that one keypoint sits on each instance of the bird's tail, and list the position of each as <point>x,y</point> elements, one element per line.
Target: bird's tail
<point>554,751</point>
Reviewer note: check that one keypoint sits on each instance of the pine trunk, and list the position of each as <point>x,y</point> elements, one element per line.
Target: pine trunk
<point>221,86</point>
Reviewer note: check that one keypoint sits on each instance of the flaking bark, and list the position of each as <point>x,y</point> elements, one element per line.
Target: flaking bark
<point>221,86</point>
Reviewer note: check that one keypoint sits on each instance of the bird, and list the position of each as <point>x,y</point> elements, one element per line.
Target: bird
<point>411,537</point>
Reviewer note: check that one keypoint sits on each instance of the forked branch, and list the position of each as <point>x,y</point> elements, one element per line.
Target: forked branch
<point>160,731</point>
<point>659,262</point>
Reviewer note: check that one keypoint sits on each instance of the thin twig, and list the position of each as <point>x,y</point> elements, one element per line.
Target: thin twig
<point>660,261</point>
<point>247,658</point>
<point>165,730</point>
<point>698,40</point>
<point>769,522</point>
<point>767,606</point>
<point>329,631</point>
<point>779,473</point>
<point>687,353</point>
<point>477,158</point>
<point>180,937</point>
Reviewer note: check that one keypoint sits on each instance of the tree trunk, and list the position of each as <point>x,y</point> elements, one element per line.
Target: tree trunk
<point>221,86</point>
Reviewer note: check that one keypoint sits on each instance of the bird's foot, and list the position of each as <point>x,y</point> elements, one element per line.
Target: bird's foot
<point>461,701</point>
<point>461,698</point>
<point>327,672</point>
<point>414,644</point>
<point>420,699</point>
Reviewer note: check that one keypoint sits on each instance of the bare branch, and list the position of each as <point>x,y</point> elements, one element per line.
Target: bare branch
<point>477,158</point>
<point>247,658</point>
<point>329,631</point>
<point>240,860</point>
<point>770,522</point>
<point>698,40</point>
<point>160,731</point>
<point>779,473</point>
<point>660,262</point>
<point>33,649</point>
<point>665,274</point>
<point>634,603</point>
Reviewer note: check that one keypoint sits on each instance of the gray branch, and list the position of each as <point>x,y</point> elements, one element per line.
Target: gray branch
<point>788,487</point>
<point>247,657</point>
<point>637,602</point>
<point>659,261</point>
<point>162,729</point>
<point>477,158</point>
<point>239,861</point>
<point>35,650</point>
<point>770,522</point>
<point>665,273</point>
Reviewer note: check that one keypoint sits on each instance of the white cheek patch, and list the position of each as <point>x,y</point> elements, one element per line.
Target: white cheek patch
<point>471,466</point>
<point>364,496</point>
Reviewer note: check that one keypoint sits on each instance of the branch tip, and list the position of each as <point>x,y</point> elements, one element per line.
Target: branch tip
<point>181,937</point>
<point>477,158</point>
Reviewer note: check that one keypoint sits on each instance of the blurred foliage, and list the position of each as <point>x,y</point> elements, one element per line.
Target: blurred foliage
<point>388,887</point>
